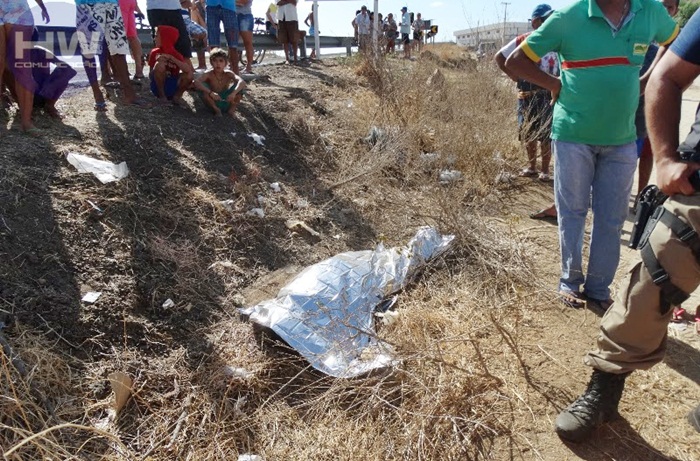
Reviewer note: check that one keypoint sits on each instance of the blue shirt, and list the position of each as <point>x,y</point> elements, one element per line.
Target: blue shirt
<point>687,45</point>
<point>228,4</point>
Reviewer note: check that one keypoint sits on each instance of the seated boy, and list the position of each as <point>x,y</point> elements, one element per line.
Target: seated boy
<point>170,74</point>
<point>220,89</point>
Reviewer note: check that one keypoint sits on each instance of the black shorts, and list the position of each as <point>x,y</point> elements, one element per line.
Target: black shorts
<point>405,39</point>
<point>171,18</point>
<point>417,35</point>
<point>535,117</point>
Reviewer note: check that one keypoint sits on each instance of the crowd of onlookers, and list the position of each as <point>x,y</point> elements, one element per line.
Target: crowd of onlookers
<point>107,33</point>
<point>408,33</point>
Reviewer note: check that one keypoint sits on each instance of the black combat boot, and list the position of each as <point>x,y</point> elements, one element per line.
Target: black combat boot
<point>597,405</point>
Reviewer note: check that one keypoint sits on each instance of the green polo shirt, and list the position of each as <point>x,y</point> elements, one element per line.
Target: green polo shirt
<point>599,67</point>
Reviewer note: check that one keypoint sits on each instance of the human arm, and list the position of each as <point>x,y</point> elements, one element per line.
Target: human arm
<point>199,85</point>
<point>241,86</point>
<point>271,18</point>
<point>502,55</point>
<point>306,21</point>
<point>663,114</point>
<point>44,13</point>
<point>523,62</point>
<point>520,65</point>
<point>501,63</point>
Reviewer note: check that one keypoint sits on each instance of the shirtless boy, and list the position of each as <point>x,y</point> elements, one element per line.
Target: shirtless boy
<point>220,89</point>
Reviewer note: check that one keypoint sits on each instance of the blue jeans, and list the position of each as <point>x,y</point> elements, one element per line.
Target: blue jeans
<point>601,176</point>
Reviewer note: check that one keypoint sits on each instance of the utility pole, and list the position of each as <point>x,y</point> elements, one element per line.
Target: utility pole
<point>505,16</point>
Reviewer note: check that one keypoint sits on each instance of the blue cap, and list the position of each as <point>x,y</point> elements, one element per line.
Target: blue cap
<point>405,8</point>
<point>542,11</point>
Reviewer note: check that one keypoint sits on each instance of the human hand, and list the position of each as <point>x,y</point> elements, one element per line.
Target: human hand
<point>45,15</point>
<point>215,96</point>
<point>555,91</point>
<point>672,176</point>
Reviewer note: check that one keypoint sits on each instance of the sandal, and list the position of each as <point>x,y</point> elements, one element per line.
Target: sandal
<point>599,305</point>
<point>543,214</point>
<point>34,132</point>
<point>573,299</point>
<point>101,106</point>
<point>528,173</point>
<point>544,177</point>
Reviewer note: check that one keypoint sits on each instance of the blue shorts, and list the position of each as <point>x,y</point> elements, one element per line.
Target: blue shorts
<point>169,87</point>
<point>215,16</point>
<point>246,22</point>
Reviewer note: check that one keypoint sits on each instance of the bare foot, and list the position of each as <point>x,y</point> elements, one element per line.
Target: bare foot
<point>217,113</point>
<point>53,112</point>
<point>179,103</point>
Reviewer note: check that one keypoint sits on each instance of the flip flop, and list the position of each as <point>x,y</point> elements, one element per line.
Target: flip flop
<point>101,106</point>
<point>542,215</point>
<point>573,299</point>
<point>528,173</point>
<point>34,132</point>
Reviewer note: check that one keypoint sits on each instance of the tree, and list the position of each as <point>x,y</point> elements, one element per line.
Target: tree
<point>686,10</point>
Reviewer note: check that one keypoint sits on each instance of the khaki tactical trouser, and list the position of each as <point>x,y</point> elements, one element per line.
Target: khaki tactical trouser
<point>633,331</point>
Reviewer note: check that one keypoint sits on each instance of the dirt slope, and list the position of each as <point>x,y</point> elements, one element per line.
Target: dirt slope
<point>179,227</point>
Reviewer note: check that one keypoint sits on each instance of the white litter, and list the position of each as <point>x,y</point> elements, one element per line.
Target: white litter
<point>259,212</point>
<point>91,296</point>
<point>228,204</point>
<point>261,199</point>
<point>168,303</point>
<point>448,176</point>
<point>235,372</point>
<point>257,138</point>
<point>275,186</point>
<point>104,171</point>
<point>249,457</point>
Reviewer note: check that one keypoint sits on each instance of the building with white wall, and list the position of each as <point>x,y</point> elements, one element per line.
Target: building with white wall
<point>491,33</point>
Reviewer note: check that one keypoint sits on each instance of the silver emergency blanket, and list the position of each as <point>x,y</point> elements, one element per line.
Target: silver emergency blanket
<point>326,312</point>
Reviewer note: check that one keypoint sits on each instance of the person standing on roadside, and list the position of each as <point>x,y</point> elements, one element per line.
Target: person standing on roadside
<point>288,29</point>
<point>129,8</point>
<point>167,13</point>
<point>271,19</point>
<point>390,30</point>
<point>633,333</point>
<point>405,31</point>
<point>218,12</point>
<point>601,44</point>
<point>534,108</point>
<point>246,23</point>
<point>363,23</point>
<point>309,21</point>
<point>418,26</point>
<point>534,102</point>
<point>17,25</point>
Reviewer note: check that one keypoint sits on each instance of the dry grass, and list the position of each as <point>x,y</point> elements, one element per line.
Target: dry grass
<point>461,389</point>
<point>444,403</point>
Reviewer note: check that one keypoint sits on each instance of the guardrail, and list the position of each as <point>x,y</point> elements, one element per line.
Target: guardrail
<point>63,41</point>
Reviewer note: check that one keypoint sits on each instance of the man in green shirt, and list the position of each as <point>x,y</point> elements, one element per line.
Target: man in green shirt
<point>601,46</point>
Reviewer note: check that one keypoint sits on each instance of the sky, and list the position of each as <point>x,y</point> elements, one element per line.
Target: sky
<point>335,16</point>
